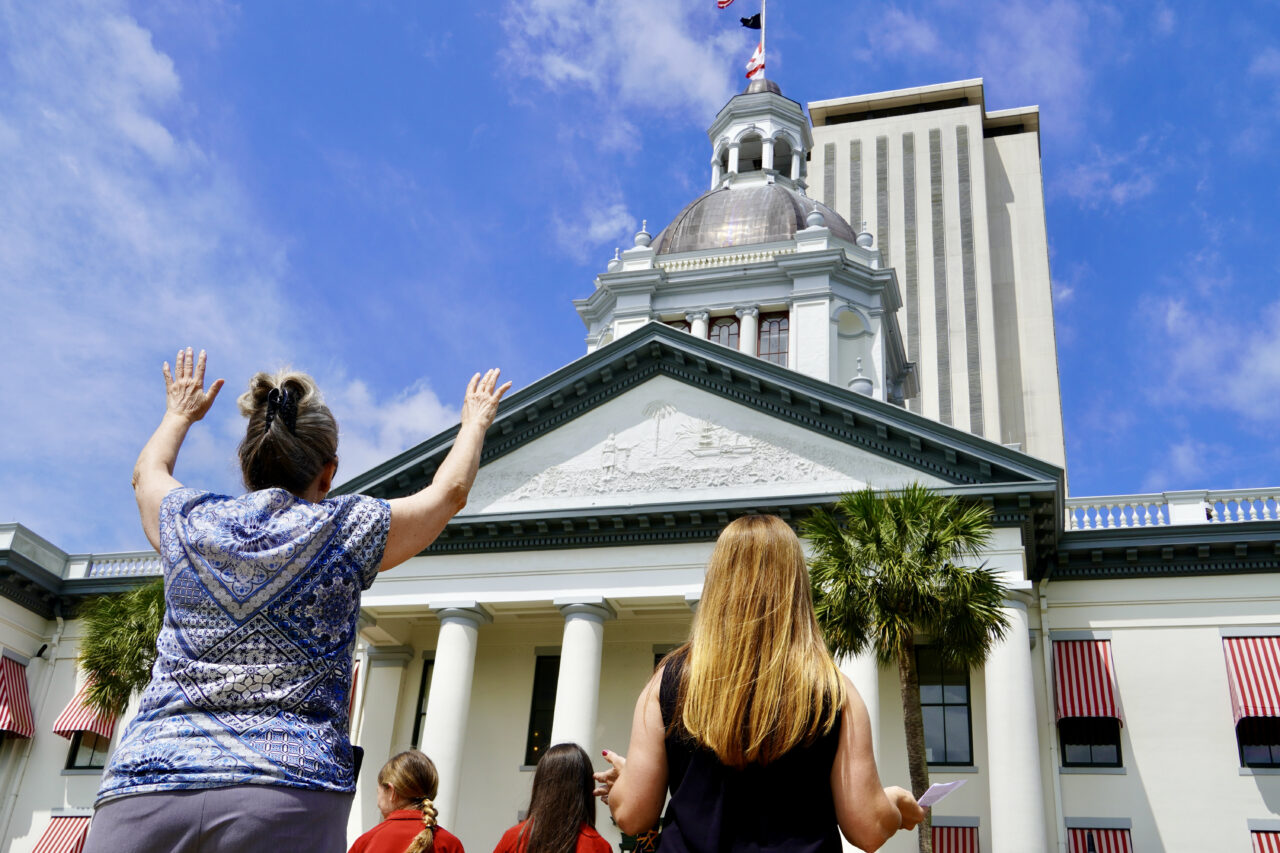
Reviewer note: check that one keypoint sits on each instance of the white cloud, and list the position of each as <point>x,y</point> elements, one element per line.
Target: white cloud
<point>1111,178</point>
<point>1266,63</point>
<point>649,56</point>
<point>123,240</point>
<point>1186,465</point>
<point>906,33</point>
<point>1164,21</point>
<point>599,223</point>
<point>373,430</point>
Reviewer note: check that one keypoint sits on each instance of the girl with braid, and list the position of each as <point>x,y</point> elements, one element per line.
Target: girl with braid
<point>562,810</point>
<point>406,785</point>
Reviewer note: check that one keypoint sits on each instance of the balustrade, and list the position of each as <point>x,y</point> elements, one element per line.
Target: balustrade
<point>1173,508</point>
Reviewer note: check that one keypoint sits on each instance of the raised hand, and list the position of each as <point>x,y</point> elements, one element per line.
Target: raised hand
<point>605,778</point>
<point>184,388</point>
<point>480,404</point>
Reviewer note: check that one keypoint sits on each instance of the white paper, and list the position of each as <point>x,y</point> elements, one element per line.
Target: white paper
<point>937,792</point>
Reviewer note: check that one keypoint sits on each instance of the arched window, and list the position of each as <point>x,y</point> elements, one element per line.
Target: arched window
<point>772,343</point>
<point>724,331</point>
<point>750,153</point>
<point>782,156</point>
<point>682,325</point>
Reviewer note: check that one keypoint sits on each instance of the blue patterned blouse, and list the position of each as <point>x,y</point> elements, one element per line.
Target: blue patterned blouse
<point>253,669</point>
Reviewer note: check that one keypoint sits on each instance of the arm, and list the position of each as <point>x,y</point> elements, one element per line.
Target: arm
<point>186,402</point>
<point>636,787</point>
<point>418,519</point>
<point>868,814</point>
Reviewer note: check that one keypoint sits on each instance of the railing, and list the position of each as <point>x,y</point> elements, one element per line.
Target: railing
<point>731,259</point>
<point>140,564</point>
<point>1172,508</point>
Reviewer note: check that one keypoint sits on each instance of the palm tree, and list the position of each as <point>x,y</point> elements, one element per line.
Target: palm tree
<point>119,644</point>
<point>888,568</point>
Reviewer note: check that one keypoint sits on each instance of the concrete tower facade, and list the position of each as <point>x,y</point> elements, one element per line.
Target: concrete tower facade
<point>954,197</point>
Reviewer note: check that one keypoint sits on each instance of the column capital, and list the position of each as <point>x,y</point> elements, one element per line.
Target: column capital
<point>751,311</point>
<point>461,611</point>
<point>691,316</point>
<point>590,607</point>
<point>389,655</point>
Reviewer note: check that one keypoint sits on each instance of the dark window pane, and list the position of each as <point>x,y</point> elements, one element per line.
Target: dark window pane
<point>88,751</point>
<point>955,694</point>
<point>1090,741</point>
<point>1077,753</point>
<point>930,694</point>
<point>771,342</point>
<point>957,728</point>
<point>724,331</point>
<point>1106,753</point>
<point>424,693</point>
<point>546,671</point>
<point>1259,739</point>
<point>935,739</point>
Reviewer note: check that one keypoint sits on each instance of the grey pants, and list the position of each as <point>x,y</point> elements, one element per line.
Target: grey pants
<point>242,818</point>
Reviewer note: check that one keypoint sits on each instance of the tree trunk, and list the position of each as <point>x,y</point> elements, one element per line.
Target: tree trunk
<point>913,722</point>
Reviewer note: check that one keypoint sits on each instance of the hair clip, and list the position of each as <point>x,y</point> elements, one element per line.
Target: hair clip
<point>280,401</point>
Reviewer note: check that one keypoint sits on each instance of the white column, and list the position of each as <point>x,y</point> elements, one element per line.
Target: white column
<point>864,671</point>
<point>697,321</point>
<point>748,329</point>
<point>796,157</point>
<point>733,158</point>
<point>578,686</point>
<point>715,173</point>
<point>445,729</point>
<point>1013,751</point>
<point>382,675</point>
<point>766,153</point>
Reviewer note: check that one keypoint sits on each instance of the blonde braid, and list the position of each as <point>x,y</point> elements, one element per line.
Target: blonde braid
<point>424,841</point>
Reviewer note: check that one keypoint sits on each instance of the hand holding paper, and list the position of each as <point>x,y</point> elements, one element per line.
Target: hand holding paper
<point>937,792</point>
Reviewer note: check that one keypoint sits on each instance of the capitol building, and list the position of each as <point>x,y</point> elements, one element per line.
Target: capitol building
<point>860,298</point>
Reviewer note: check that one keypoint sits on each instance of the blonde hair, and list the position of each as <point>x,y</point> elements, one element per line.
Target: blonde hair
<point>414,778</point>
<point>285,450</point>
<point>758,679</point>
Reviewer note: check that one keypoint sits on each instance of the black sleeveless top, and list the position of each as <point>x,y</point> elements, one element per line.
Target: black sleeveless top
<point>786,805</point>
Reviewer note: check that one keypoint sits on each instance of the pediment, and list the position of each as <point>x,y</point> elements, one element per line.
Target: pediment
<point>665,441</point>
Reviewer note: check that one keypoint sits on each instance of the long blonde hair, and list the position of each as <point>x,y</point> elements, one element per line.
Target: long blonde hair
<point>414,778</point>
<point>757,679</point>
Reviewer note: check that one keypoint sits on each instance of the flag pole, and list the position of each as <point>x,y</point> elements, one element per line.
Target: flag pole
<point>762,31</point>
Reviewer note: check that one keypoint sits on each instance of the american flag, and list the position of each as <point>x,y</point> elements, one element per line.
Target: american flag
<point>723,4</point>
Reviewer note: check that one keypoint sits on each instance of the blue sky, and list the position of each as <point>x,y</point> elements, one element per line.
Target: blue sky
<point>394,195</point>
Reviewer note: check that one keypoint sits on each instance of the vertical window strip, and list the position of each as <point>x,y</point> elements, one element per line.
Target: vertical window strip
<point>882,198</point>
<point>971,332</point>
<point>855,184</point>
<point>829,175</point>
<point>912,262</point>
<point>940,276</point>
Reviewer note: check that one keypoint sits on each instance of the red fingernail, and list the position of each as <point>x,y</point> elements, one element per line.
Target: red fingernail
<point>604,752</point>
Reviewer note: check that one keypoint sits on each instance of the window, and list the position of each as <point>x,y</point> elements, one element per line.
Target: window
<point>724,331</point>
<point>1088,713</point>
<point>88,751</point>
<point>1259,740</point>
<point>1089,840</point>
<point>546,670</point>
<point>772,342</point>
<point>1089,741</point>
<point>424,692</point>
<point>944,703</point>
<point>682,325</point>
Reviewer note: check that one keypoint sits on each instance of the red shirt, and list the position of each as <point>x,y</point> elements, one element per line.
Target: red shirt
<point>396,833</point>
<point>589,841</point>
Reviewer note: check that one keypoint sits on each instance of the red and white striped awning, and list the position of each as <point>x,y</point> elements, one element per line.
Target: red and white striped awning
<point>15,702</point>
<point>1084,679</point>
<point>955,839</point>
<point>1253,672</point>
<point>1099,841</point>
<point>1266,842</point>
<point>64,835</point>
<point>79,717</point>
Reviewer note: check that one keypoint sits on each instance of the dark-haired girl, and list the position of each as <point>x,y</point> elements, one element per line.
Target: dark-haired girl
<point>406,787</point>
<point>562,810</point>
<point>240,742</point>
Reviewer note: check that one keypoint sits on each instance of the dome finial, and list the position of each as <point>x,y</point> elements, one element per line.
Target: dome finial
<point>615,263</point>
<point>643,237</point>
<point>861,384</point>
<point>815,219</point>
<point>864,239</point>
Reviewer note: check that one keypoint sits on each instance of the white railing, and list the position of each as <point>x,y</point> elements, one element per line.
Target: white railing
<point>140,564</point>
<point>1169,508</point>
<point>731,259</point>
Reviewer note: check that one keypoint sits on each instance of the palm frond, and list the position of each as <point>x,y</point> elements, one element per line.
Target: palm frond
<point>119,644</point>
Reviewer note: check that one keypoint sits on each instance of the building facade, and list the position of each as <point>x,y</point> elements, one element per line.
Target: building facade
<point>765,352</point>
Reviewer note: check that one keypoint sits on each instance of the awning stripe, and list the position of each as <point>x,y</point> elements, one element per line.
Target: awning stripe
<point>64,835</point>
<point>1253,674</point>
<point>79,717</point>
<point>1266,842</point>
<point>955,839</point>
<point>15,701</point>
<point>1084,679</point>
<point>1099,841</point>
